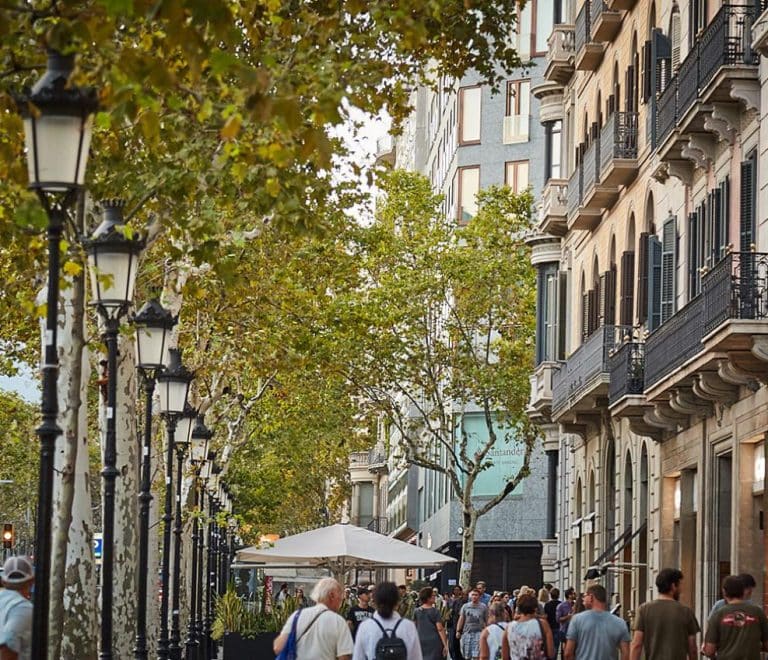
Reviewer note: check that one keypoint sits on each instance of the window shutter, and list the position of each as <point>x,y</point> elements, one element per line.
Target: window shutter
<point>648,67</point>
<point>627,289</point>
<point>585,314</point>
<point>608,294</point>
<point>541,292</point>
<point>654,282</point>
<point>642,278</point>
<point>668,268</point>
<point>694,276</point>
<point>629,89</point>
<point>602,300</point>
<point>725,201</point>
<point>551,327</point>
<point>594,310</point>
<point>747,205</point>
<point>562,311</point>
<point>662,56</point>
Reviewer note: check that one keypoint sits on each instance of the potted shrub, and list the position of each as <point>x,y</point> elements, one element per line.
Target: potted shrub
<point>246,632</point>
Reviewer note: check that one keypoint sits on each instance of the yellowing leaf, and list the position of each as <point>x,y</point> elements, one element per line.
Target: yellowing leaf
<point>231,127</point>
<point>72,268</point>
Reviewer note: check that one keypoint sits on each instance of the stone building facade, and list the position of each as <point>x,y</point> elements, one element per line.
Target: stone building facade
<point>651,249</point>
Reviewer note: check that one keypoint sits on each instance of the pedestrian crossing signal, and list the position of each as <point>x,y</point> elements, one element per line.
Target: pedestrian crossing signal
<point>7,536</point>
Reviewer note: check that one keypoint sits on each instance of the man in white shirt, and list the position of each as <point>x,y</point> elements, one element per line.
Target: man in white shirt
<point>320,632</point>
<point>369,632</point>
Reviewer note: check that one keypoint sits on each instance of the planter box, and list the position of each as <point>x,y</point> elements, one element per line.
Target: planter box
<point>238,648</point>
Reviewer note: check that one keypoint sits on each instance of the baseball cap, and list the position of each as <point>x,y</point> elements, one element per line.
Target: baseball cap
<point>18,570</point>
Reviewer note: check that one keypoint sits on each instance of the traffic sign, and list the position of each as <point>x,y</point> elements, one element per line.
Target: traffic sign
<point>98,546</point>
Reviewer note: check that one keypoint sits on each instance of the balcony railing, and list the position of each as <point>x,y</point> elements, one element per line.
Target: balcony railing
<point>379,525</point>
<point>560,53</point>
<point>515,128</point>
<point>626,366</point>
<point>582,371</point>
<point>552,212</point>
<point>582,28</point>
<point>724,42</point>
<point>575,184</point>
<point>591,166</point>
<point>618,139</point>
<point>666,111</point>
<point>736,288</point>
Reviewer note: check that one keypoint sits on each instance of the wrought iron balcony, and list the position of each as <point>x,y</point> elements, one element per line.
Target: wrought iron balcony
<point>581,216</point>
<point>588,53</point>
<point>736,289</point>
<point>597,195</point>
<point>720,68</point>
<point>553,212</point>
<point>560,54</point>
<point>626,368</point>
<point>574,193</point>
<point>584,376</point>
<point>605,22</point>
<point>618,145</point>
<point>379,525</point>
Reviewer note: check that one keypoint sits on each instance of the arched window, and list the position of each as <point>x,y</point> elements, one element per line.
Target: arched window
<point>642,588</point>
<point>674,36</point>
<point>629,497</point>
<point>631,79</point>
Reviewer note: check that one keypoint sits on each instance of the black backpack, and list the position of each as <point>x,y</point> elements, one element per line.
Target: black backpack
<point>390,646</point>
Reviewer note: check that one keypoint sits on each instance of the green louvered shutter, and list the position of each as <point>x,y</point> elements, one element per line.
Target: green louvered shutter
<point>668,267</point>
<point>654,282</point>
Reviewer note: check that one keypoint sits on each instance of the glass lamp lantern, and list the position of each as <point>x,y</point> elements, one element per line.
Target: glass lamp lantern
<point>173,384</point>
<point>113,258</point>
<point>184,426</point>
<point>201,435</point>
<point>58,120</point>
<point>153,325</point>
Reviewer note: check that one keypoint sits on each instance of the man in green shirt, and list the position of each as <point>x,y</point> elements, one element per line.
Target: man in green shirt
<point>738,630</point>
<point>665,628</point>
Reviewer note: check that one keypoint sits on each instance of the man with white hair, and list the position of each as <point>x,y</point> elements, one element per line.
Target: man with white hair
<point>16,609</point>
<point>321,634</point>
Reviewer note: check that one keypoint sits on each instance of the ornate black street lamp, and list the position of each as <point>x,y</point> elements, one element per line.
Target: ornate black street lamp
<point>182,440</point>
<point>153,325</point>
<point>173,381</point>
<point>57,129</point>
<point>201,436</point>
<point>203,618</point>
<point>113,258</point>
<point>212,487</point>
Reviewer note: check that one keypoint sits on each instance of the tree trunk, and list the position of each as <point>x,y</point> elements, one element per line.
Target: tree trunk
<point>467,548</point>
<point>126,500</point>
<point>73,577</point>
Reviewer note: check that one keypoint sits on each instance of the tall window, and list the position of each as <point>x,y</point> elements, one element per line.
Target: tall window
<point>518,113</point>
<point>516,175</point>
<point>553,131</point>
<point>469,115</point>
<point>534,26</point>
<point>469,186</point>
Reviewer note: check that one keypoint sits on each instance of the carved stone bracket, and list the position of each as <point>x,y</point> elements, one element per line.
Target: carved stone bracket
<point>760,347</point>
<point>710,387</point>
<point>661,173</point>
<point>733,372</point>
<point>748,92</point>
<point>700,149</point>
<point>724,121</point>
<point>639,426</point>
<point>681,169</point>
<point>684,402</point>
<point>658,419</point>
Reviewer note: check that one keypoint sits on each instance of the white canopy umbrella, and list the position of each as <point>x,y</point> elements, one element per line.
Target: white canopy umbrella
<point>340,548</point>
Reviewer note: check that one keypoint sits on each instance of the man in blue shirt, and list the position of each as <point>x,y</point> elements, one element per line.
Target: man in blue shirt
<point>596,634</point>
<point>16,609</point>
<point>485,598</point>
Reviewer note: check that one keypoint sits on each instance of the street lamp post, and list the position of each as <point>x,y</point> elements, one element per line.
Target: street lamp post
<point>182,440</point>
<point>57,130</point>
<point>174,382</point>
<point>203,618</point>
<point>113,259</point>
<point>201,436</point>
<point>213,482</point>
<point>153,325</point>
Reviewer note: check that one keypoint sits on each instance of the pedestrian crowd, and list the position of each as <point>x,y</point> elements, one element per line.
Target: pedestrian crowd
<point>381,624</point>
